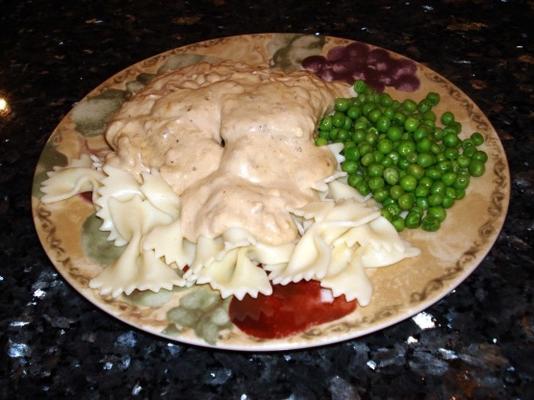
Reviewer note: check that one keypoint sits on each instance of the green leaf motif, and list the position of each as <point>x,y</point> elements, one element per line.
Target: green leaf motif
<point>202,310</point>
<point>49,159</point>
<point>179,61</point>
<point>149,298</point>
<point>95,244</point>
<point>92,114</point>
<point>289,57</point>
<point>139,83</point>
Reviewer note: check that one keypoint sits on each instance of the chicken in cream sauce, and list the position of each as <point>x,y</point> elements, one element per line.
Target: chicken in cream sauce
<point>235,142</point>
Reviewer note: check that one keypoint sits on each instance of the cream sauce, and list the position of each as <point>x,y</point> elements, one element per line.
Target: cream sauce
<point>234,141</point>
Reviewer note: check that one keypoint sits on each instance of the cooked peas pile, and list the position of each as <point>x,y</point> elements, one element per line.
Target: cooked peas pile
<point>395,150</point>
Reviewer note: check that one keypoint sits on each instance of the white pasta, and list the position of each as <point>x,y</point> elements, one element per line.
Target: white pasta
<point>77,177</point>
<point>236,275</point>
<point>239,217</point>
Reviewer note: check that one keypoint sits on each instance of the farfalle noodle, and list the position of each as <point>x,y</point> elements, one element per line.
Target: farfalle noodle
<point>214,179</point>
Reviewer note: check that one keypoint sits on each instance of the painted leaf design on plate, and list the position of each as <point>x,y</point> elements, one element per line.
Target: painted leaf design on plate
<point>95,244</point>
<point>204,311</point>
<point>92,114</point>
<point>49,159</point>
<point>289,55</point>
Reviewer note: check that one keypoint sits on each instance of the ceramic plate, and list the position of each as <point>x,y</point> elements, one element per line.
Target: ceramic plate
<point>69,231</point>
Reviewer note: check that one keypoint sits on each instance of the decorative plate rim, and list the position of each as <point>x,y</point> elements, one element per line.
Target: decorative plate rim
<point>390,316</point>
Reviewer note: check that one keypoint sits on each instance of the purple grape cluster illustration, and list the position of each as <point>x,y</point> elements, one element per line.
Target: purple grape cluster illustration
<point>358,61</point>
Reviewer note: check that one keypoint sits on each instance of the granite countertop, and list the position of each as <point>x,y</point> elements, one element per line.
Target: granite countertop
<point>55,344</point>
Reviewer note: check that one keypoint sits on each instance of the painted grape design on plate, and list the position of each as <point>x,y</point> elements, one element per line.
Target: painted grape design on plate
<point>359,61</point>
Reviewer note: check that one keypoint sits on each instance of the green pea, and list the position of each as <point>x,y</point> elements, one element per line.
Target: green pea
<point>353,180</point>
<point>430,224</point>
<point>477,138</point>
<point>403,163</point>
<point>389,201</point>
<point>350,167</point>
<point>351,153</point>
<point>412,220</point>
<point>476,168</point>
<point>383,124</point>
<point>319,141</point>
<point>424,145</point>
<point>396,191</point>
<point>448,201</point>
<point>375,169</point>
<point>426,182</point>
<point>374,115</point>
<point>363,188</point>
<point>463,161</point>
<point>406,147</point>
<point>424,106</point>
<point>469,151</point>
<point>425,160</point>
<point>451,153</point>
<point>429,116</point>
<point>386,214</point>
<point>393,209</point>
<point>389,113</point>
<point>385,146</point>
<point>447,118</point>
<point>461,182</point>
<point>386,100</point>
<point>406,201</point>
<point>380,194</point>
<point>408,183</point>
<point>360,86</point>
<point>387,162</point>
<point>324,134</point>
<point>394,133</point>
<point>409,106</point>
<point>391,176</point>
<point>421,191</point>
<point>347,123</point>
<point>451,140</point>
<point>435,149</point>
<point>444,166</point>
<point>394,156</point>
<point>338,119</point>
<point>450,192</point>
<point>416,170</point>
<point>456,127</point>
<point>422,203</point>
<point>365,148</point>
<point>438,187</point>
<point>433,98</point>
<point>376,182</point>
<point>448,178</point>
<point>398,224</point>
<point>467,143</point>
<point>354,112</point>
<point>480,155</point>
<point>435,199</point>
<point>399,118</point>
<point>421,133</point>
<point>326,123</point>
<point>433,173</point>
<point>371,137</point>
<point>343,135</point>
<point>342,104</point>
<point>460,193</point>
<point>367,159</point>
<point>438,213</point>
<point>358,136</point>
<point>411,124</point>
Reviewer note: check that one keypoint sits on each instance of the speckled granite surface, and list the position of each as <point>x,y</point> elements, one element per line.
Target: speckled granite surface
<point>53,343</point>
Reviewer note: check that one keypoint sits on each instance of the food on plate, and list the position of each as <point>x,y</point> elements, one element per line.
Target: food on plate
<point>213,177</point>
<point>395,151</point>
